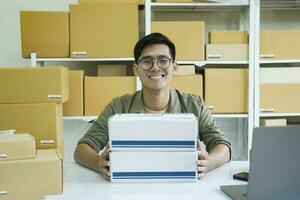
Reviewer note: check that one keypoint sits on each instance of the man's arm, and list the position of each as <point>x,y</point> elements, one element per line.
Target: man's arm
<point>88,157</point>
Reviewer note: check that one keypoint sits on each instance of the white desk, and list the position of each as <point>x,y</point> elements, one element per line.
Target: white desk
<point>84,184</point>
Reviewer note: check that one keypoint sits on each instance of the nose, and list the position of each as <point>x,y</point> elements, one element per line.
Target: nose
<point>155,66</point>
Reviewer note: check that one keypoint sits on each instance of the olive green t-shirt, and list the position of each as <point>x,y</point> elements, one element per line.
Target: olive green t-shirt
<point>209,132</point>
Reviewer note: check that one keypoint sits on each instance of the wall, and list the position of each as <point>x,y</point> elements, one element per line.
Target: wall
<point>10,37</point>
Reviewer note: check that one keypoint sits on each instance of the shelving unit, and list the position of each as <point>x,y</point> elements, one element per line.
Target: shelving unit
<point>247,21</point>
<point>273,6</point>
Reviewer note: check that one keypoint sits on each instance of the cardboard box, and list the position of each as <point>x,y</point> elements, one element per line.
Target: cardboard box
<point>140,2</point>
<point>226,90</point>
<point>273,122</point>
<point>45,33</point>
<point>21,179</point>
<point>185,70</point>
<point>279,89</point>
<point>34,85</point>
<point>153,166</point>
<point>280,97</point>
<point>112,70</point>
<point>43,121</point>
<point>280,44</point>
<point>188,37</point>
<point>280,75</point>
<point>17,146</point>
<point>228,37</point>
<point>188,84</point>
<point>99,91</point>
<point>227,52</point>
<point>153,132</point>
<point>95,30</point>
<point>74,106</point>
<point>175,1</point>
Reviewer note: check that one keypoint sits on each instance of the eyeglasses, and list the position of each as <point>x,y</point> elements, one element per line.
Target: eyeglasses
<point>148,63</point>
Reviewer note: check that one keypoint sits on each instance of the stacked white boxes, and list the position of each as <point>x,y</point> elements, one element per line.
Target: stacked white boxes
<point>153,147</point>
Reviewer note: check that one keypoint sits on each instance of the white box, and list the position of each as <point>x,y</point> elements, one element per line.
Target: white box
<point>153,132</point>
<point>153,166</point>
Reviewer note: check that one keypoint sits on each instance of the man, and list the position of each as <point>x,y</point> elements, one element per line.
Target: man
<point>155,65</point>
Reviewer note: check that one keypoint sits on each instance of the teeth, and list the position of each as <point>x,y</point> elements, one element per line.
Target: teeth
<point>157,77</point>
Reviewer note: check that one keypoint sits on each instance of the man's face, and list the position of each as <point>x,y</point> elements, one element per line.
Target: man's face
<point>155,77</point>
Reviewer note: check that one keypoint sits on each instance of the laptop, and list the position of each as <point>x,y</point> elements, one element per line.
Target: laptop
<point>274,166</point>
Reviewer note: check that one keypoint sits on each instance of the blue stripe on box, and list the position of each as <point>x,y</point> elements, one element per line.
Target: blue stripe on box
<point>152,146</point>
<point>154,175</point>
<point>155,143</point>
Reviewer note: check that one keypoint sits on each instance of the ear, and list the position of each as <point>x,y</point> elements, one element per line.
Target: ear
<point>135,69</point>
<point>175,67</point>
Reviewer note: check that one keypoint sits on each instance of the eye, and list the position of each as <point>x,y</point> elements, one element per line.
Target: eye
<point>163,61</point>
<point>146,62</point>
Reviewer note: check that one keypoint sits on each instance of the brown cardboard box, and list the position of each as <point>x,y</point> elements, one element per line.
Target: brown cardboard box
<point>280,97</point>
<point>188,84</point>
<point>17,146</point>
<point>140,2</point>
<point>74,106</point>
<point>112,70</point>
<point>43,121</point>
<point>226,90</point>
<point>227,52</point>
<point>279,90</point>
<point>34,85</point>
<point>28,178</point>
<point>280,44</point>
<point>103,30</point>
<point>188,37</point>
<point>185,70</point>
<point>175,1</point>
<point>273,122</point>
<point>228,37</point>
<point>99,91</point>
<point>46,33</point>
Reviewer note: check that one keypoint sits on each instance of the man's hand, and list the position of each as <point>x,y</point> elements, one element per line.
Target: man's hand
<point>203,163</point>
<point>104,164</point>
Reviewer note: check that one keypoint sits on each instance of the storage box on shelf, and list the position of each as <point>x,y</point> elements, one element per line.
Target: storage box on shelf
<point>32,178</point>
<point>279,90</point>
<point>95,30</point>
<point>226,90</point>
<point>98,93</point>
<point>74,106</point>
<point>42,120</point>
<point>37,37</point>
<point>189,84</point>
<point>280,44</point>
<point>188,36</point>
<point>112,70</point>
<point>25,143</point>
<point>34,85</point>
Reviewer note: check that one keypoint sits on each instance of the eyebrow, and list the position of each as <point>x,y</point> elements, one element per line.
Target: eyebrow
<point>160,56</point>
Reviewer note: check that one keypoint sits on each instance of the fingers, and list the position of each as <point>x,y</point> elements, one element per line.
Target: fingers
<point>106,173</point>
<point>105,153</point>
<point>198,145</point>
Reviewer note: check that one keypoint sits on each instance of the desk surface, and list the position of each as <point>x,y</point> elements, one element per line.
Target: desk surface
<point>81,183</point>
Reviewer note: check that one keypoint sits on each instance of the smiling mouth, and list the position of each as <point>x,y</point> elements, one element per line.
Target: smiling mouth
<point>156,76</point>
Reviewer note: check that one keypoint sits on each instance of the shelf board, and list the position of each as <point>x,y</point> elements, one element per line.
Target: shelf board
<point>226,116</point>
<point>208,62</point>
<point>280,4</point>
<point>84,59</point>
<point>216,5</point>
<point>217,116</point>
<point>290,61</point>
<point>279,114</point>
<point>84,118</point>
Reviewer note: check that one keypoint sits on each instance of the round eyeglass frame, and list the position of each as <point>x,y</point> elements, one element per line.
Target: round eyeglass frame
<point>157,63</point>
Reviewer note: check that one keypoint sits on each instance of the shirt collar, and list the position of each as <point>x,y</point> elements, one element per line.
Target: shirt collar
<point>174,104</point>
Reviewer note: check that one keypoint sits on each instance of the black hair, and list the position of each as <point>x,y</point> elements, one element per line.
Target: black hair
<point>153,38</point>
